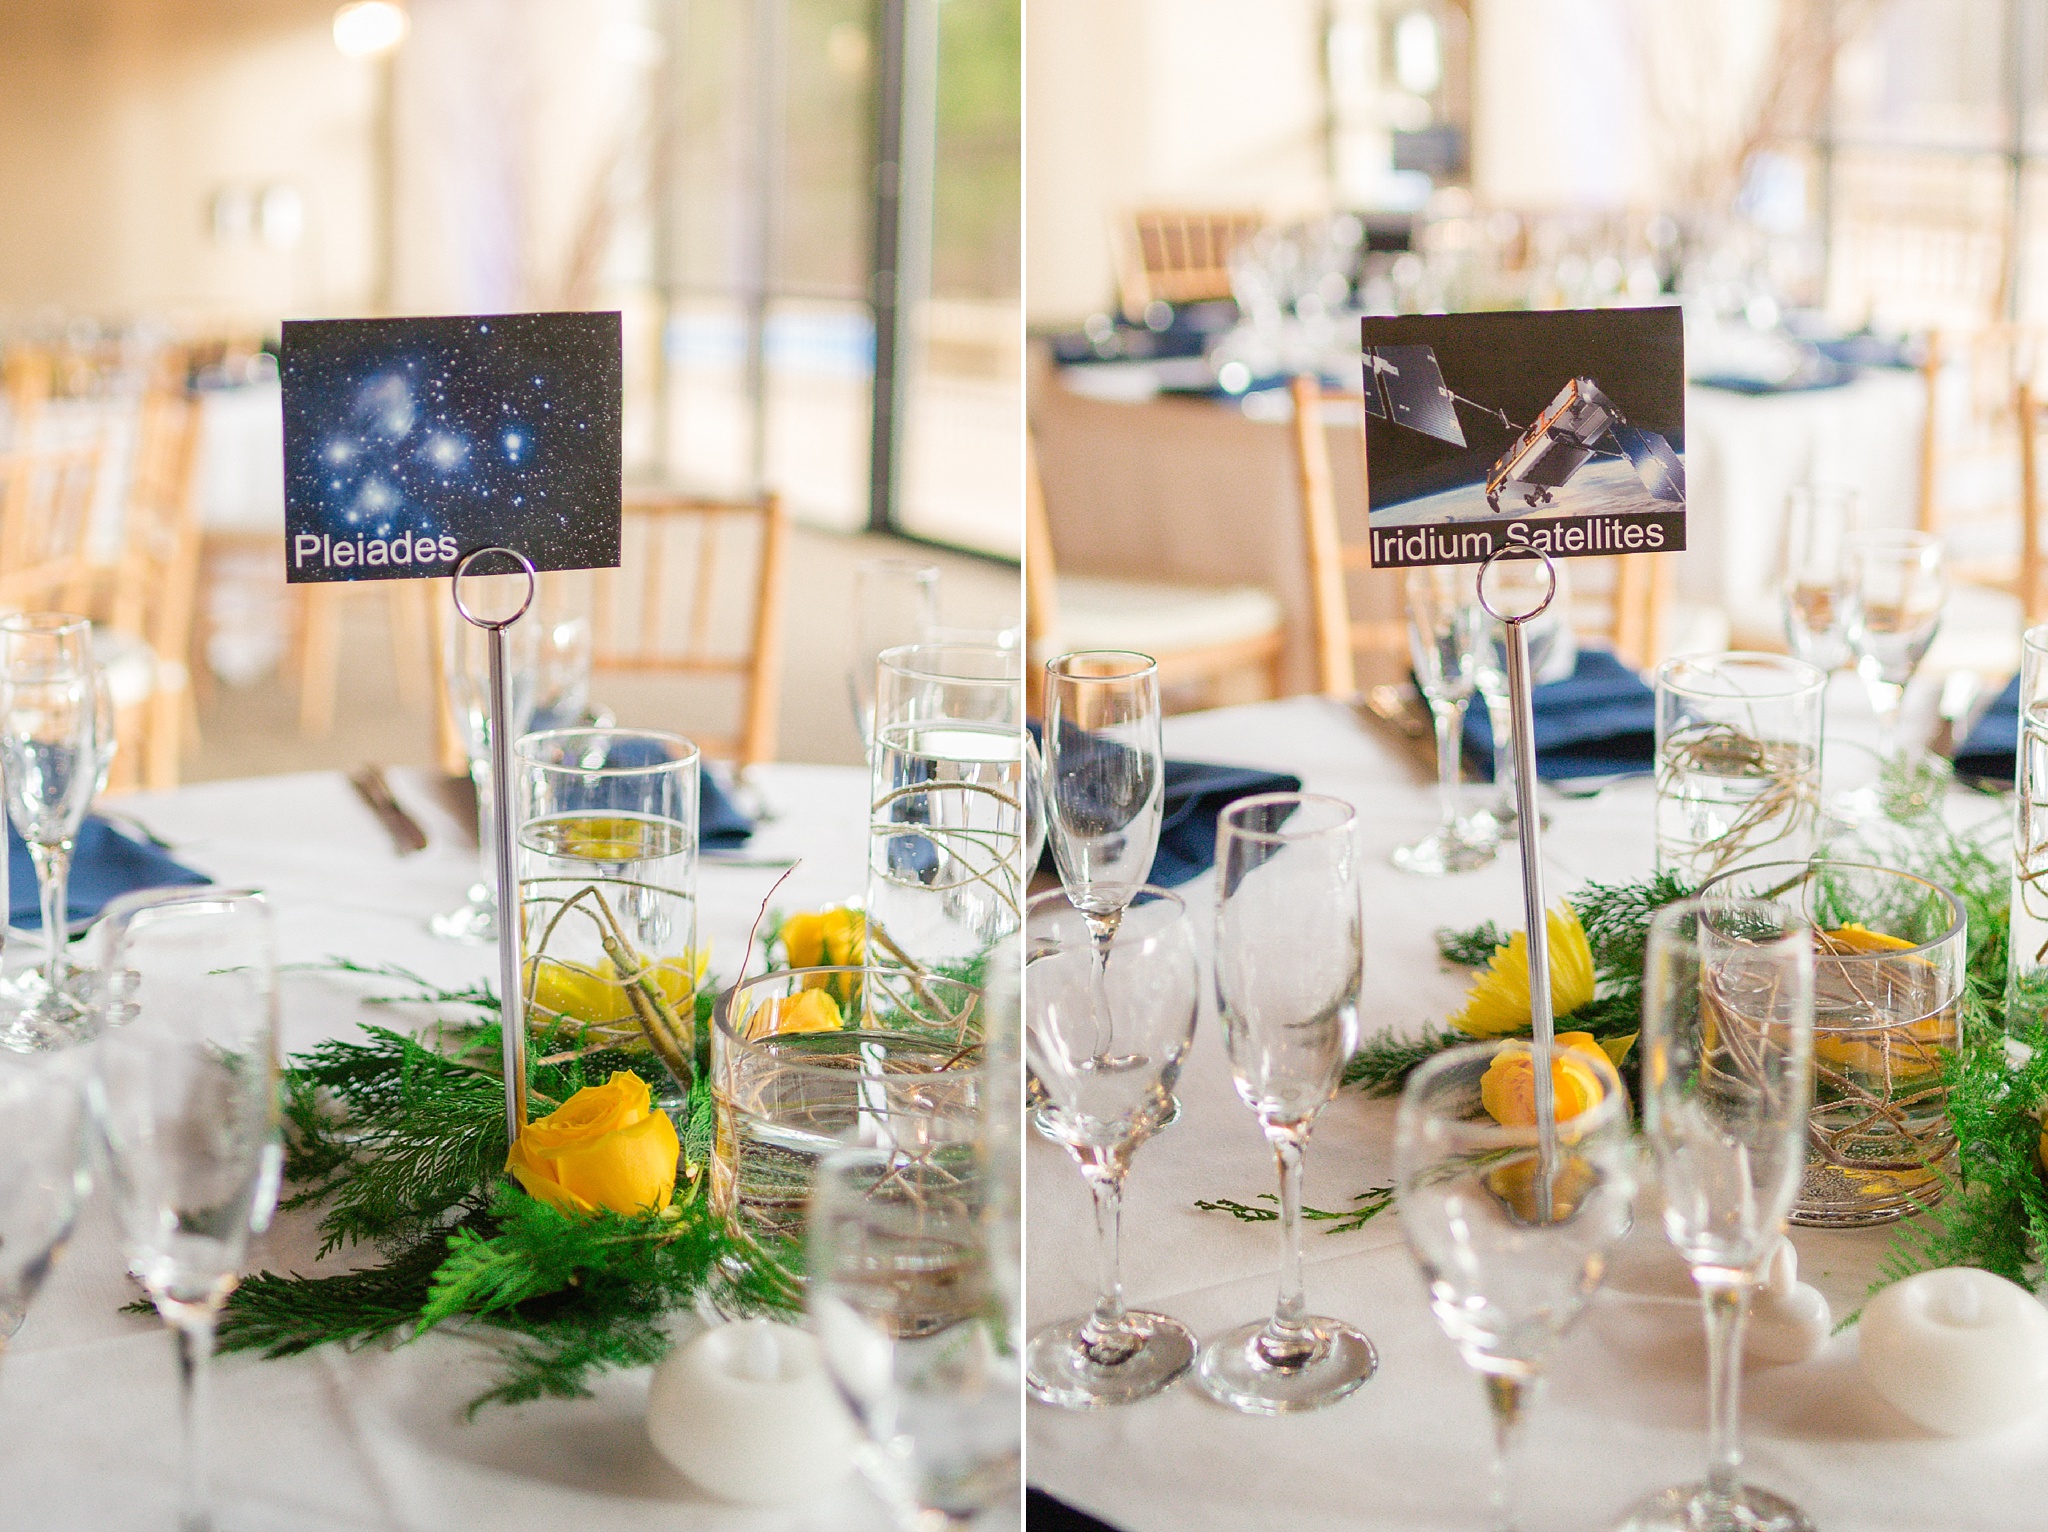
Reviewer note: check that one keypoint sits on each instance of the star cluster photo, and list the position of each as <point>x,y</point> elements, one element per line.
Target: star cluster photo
<point>411,442</point>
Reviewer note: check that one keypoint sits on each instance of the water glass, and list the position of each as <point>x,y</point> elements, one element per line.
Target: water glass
<point>187,1100</point>
<point>895,602</point>
<point>1813,572</point>
<point>912,1317</point>
<point>1105,773</point>
<point>1897,587</point>
<point>946,827</point>
<point>51,764</point>
<point>1446,636</point>
<point>1738,761</point>
<point>1106,1026</point>
<point>43,1176</point>
<point>2026,982</point>
<point>1888,974</point>
<point>1727,1048</point>
<point>606,821</point>
<point>1290,949</point>
<point>1509,1269</point>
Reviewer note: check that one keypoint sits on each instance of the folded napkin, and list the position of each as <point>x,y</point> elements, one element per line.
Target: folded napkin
<point>1599,721</point>
<point>105,864</point>
<point>720,826</point>
<point>1993,746</point>
<point>1196,792</point>
<point>1042,1513</point>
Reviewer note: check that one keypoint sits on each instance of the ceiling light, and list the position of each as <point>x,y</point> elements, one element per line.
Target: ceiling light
<point>368,28</point>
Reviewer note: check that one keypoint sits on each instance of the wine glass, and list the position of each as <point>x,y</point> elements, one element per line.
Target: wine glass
<point>475,920</point>
<point>1108,1071</point>
<point>912,1318</point>
<point>1897,585</point>
<point>1521,585</point>
<point>187,1099</point>
<point>43,1176</point>
<point>1727,1048</point>
<point>1509,1270</point>
<point>47,732</point>
<point>1813,572</point>
<point>895,602</point>
<point>1105,775</point>
<point>1290,947</point>
<point>1446,631</point>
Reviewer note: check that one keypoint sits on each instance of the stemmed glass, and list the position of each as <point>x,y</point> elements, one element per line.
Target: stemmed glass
<point>1508,1275</point>
<point>1896,589</point>
<point>43,1175</point>
<point>1108,1071</point>
<point>895,602</point>
<point>913,1321</point>
<point>1105,775</point>
<point>1290,948</point>
<point>1519,585</point>
<point>47,733</point>
<point>1813,572</point>
<point>1446,631</point>
<point>1727,1049</point>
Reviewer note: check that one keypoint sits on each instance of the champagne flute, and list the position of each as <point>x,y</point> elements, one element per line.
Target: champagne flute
<point>1109,1075</point>
<point>1507,1276</point>
<point>187,1099</point>
<point>895,602</point>
<point>1813,572</point>
<point>1727,1047</point>
<point>43,1176</point>
<point>1897,585</point>
<point>1521,585</point>
<point>51,767</point>
<point>912,1319</point>
<point>1290,947</point>
<point>1446,630</point>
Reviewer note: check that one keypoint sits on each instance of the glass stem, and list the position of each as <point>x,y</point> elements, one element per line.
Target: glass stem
<point>1507,1395</point>
<point>53,876</point>
<point>486,829</point>
<point>194,1334</point>
<point>1888,701</point>
<point>1726,1299</point>
<point>1286,1343</point>
<point>1450,727</point>
<point>1501,716</point>
<point>1104,1336</point>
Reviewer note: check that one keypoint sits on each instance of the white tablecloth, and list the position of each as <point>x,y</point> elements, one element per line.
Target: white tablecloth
<point>374,1439</point>
<point>1624,1410</point>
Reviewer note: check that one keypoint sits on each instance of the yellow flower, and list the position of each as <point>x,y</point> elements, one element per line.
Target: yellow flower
<point>574,994</point>
<point>834,938</point>
<point>1886,1053</point>
<point>1498,1002</point>
<point>605,1147</point>
<point>808,1010</point>
<point>1508,1090</point>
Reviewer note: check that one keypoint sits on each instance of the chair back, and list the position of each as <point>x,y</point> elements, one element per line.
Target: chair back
<point>47,496</point>
<point>1973,490</point>
<point>1178,256</point>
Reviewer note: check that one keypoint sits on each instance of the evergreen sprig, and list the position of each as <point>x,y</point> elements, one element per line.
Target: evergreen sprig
<point>1371,1203</point>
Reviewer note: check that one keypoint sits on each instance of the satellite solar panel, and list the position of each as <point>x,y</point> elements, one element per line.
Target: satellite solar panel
<point>1660,469</point>
<point>1413,392</point>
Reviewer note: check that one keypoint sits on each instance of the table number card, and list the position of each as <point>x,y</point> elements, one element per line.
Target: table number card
<point>1561,431</point>
<point>411,442</point>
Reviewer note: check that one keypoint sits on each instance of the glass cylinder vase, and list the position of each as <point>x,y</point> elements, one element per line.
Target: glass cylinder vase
<point>946,827</point>
<point>1738,762</point>
<point>607,866</point>
<point>2026,982</point>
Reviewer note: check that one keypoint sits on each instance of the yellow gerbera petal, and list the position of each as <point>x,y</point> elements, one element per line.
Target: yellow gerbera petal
<point>1498,1002</point>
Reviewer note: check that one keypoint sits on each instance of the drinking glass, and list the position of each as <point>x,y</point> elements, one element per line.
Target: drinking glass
<point>1446,632</point>
<point>1507,1274</point>
<point>475,920</point>
<point>1105,777</point>
<point>1813,572</point>
<point>1290,948</point>
<point>187,1099</point>
<point>1897,585</point>
<point>51,764</point>
<point>43,1176</point>
<point>913,1320</point>
<point>2026,982</point>
<point>895,602</point>
<point>1108,1070</point>
<point>1738,761</point>
<point>1518,585</point>
<point>1727,1047</point>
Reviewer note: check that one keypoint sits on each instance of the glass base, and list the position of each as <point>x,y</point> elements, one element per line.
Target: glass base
<point>1043,1119</point>
<point>1690,1508</point>
<point>475,923</point>
<point>1058,1369</point>
<point>1462,847</point>
<point>1236,1369</point>
<point>33,1020</point>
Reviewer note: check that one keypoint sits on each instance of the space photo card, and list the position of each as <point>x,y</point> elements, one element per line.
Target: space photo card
<point>1560,430</point>
<point>409,443</point>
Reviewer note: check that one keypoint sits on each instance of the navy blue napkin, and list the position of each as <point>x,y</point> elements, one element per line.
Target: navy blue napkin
<point>1042,1513</point>
<point>1991,750</point>
<point>720,826</point>
<point>105,864</point>
<point>1599,721</point>
<point>1196,792</point>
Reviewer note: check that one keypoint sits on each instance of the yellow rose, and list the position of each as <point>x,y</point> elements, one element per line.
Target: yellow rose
<point>1508,1089</point>
<point>573,994</point>
<point>808,1010</point>
<point>834,938</point>
<point>605,1147</point>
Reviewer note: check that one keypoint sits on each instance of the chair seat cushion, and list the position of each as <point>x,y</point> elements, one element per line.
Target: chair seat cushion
<point>1161,619</point>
